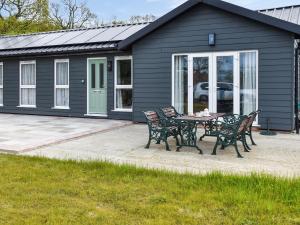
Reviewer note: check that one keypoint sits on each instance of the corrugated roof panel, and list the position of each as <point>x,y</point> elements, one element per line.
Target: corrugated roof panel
<point>288,13</point>
<point>295,15</point>
<point>130,31</point>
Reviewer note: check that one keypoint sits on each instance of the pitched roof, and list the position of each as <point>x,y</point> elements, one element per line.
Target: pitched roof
<point>88,38</point>
<point>253,15</point>
<point>288,13</point>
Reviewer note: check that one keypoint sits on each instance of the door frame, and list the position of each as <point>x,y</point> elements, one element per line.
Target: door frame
<point>87,88</point>
<point>213,75</point>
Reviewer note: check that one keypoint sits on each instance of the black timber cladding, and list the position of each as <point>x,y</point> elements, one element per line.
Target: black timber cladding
<point>188,32</point>
<point>45,86</point>
<point>250,14</point>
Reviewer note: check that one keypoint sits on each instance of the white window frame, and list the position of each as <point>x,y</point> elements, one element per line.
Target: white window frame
<point>26,86</point>
<point>212,84</point>
<point>61,86</point>
<point>118,87</point>
<point>1,85</point>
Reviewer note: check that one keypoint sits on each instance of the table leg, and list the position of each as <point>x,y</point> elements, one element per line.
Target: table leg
<point>189,135</point>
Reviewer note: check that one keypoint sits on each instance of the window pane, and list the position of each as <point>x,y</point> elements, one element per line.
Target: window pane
<point>27,96</point>
<point>225,73</point>
<point>124,98</point>
<point>1,96</point>
<point>247,82</point>
<point>200,83</point>
<point>124,72</point>
<point>28,74</point>
<point>1,74</point>
<point>62,73</point>
<point>101,75</point>
<point>62,97</point>
<point>181,84</point>
<point>93,83</point>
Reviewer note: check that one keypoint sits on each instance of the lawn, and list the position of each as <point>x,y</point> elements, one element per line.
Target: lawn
<point>44,191</point>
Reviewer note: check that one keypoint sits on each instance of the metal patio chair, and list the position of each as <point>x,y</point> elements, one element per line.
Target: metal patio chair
<point>231,131</point>
<point>248,132</point>
<point>160,129</point>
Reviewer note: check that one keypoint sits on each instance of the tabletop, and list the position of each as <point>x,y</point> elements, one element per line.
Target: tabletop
<point>200,119</point>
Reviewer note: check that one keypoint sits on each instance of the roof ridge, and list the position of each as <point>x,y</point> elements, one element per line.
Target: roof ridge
<point>75,29</point>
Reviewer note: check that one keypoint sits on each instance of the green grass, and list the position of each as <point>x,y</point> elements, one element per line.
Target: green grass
<point>43,191</point>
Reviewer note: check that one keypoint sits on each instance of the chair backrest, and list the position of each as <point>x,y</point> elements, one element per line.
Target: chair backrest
<point>169,112</point>
<point>233,126</point>
<point>252,116</point>
<point>244,121</point>
<point>231,118</point>
<point>152,117</point>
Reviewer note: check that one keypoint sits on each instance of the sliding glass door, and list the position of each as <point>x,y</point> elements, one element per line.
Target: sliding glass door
<point>224,82</point>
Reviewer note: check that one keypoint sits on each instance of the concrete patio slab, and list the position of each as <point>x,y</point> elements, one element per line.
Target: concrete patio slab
<point>21,133</point>
<point>278,155</point>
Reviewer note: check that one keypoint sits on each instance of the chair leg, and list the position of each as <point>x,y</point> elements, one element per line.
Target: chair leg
<point>201,138</point>
<point>250,134</point>
<point>167,146</point>
<point>248,147</point>
<point>237,151</point>
<point>177,141</point>
<point>215,148</point>
<point>148,144</point>
<point>223,147</point>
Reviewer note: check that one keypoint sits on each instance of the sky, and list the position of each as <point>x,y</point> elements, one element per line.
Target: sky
<point>123,9</point>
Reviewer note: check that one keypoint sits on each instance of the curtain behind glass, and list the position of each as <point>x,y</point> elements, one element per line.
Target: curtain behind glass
<point>180,82</point>
<point>28,74</point>
<point>28,94</point>
<point>62,73</point>
<point>248,82</point>
<point>62,79</point>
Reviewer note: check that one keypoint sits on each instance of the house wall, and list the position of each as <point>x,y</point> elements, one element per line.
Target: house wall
<point>45,87</point>
<point>188,33</point>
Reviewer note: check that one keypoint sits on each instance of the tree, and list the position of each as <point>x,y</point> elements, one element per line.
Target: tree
<point>69,14</point>
<point>142,19</point>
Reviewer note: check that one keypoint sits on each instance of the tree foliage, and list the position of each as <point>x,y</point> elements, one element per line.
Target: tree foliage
<point>27,16</point>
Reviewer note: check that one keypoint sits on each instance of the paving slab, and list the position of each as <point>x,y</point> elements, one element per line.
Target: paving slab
<point>21,133</point>
<point>278,155</point>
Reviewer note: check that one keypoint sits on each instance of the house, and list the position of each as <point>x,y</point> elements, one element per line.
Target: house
<point>203,54</point>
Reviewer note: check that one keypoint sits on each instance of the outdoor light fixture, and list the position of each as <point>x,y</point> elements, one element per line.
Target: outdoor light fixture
<point>212,39</point>
<point>109,66</point>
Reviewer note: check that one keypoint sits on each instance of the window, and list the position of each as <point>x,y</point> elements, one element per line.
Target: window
<point>28,84</point>
<point>61,87</point>
<point>123,83</point>
<point>248,82</point>
<point>1,84</point>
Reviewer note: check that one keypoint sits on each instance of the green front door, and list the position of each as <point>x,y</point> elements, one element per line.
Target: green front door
<point>97,86</point>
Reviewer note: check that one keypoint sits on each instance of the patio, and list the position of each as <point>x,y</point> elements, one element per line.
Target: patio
<point>20,133</point>
<point>278,155</point>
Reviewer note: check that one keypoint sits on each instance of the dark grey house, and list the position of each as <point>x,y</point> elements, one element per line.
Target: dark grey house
<point>204,54</point>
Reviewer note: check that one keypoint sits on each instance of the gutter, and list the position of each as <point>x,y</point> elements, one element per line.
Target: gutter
<point>297,125</point>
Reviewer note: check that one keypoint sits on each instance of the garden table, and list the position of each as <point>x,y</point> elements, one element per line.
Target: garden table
<point>188,126</point>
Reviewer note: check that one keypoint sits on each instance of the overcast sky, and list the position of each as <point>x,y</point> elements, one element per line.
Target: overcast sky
<point>123,9</point>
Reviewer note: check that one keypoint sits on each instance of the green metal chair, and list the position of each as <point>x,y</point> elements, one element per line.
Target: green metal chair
<point>248,131</point>
<point>231,131</point>
<point>211,129</point>
<point>160,129</point>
